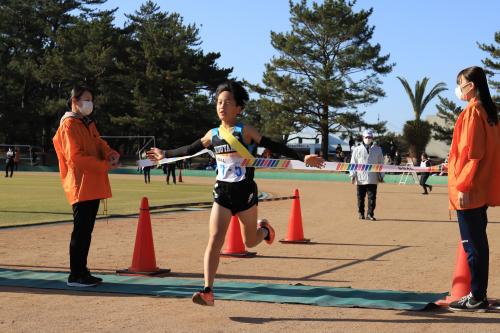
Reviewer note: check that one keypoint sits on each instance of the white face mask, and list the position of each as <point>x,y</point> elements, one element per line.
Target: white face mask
<point>368,141</point>
<point>87,108</point>
<point>458,93</point>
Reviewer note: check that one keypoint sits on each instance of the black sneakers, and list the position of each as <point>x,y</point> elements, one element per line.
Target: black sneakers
<point>361,216</point>
<point>85,280</point>
<point>469,303</point>
<point>91,277</point>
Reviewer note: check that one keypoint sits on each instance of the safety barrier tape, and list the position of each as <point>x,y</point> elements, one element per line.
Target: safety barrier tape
<point>209,203</point>
<point>298,165</point>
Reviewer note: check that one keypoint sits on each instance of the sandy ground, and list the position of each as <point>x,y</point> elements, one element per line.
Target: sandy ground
<point>411,247</point>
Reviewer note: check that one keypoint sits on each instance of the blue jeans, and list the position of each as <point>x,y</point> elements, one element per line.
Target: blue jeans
<point>472,223</point>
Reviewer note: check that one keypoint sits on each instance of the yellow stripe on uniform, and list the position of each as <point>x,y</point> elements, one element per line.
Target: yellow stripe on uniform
<point>234,143</point>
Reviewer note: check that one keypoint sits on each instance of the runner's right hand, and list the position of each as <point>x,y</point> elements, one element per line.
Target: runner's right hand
<point>155,154</point>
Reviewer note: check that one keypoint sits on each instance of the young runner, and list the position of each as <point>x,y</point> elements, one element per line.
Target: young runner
<point>235,192</point>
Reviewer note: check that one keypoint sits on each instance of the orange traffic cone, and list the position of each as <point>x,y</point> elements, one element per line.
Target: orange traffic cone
<point>460,286</point>
<point>144,260</point>
<point>234,246</point>
<point>295,232</point>
<point>180,176</point>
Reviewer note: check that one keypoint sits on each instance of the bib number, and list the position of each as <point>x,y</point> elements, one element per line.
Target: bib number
<point>230,169</point>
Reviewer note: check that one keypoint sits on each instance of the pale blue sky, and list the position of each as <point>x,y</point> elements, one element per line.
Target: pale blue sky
<point>434,38</point>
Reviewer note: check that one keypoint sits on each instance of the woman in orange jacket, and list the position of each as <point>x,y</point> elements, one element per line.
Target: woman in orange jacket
<point>473,179</point>
<point>84,162</point>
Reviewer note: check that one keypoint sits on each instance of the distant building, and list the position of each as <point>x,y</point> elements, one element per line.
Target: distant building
<point>309,141</point>
<point>437,148</point>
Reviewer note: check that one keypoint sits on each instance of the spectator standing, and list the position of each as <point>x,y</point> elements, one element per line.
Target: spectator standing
<point>426,163</point>
<point>9,162</point>
<point>366,182</point>
<point>84,162</point>
<point>397,158</point>
<point>473,182</point>
<point>392,151</point>
<point>147,174</point>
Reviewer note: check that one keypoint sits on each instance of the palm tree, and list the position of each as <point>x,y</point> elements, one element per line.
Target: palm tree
<point>417,132</point>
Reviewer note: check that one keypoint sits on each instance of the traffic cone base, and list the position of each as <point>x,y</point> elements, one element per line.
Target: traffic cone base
<point>144,260</point>
<point>245,254</point>
<point>159,271</point>
<point>295,241</point>
<point>460,285</point>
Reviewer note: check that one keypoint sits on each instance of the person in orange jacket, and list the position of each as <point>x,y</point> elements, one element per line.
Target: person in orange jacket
<point>84,162</point>
<point>473,181</point>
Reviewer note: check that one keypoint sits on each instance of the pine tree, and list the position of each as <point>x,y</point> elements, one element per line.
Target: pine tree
<point>448,111</point>
<point>326,65</point>
<point>173,79</point>
<point>28,33</point>
<point>149,78</point>
<point>493,64</point>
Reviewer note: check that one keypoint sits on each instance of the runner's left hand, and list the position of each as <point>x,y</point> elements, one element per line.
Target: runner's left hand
<point>314,161</point>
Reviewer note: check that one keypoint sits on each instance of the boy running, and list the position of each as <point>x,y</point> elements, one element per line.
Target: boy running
<point>235,192</point>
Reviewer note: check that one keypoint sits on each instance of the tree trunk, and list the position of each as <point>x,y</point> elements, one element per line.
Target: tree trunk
<point>412,150</point>
<point>324,133</point>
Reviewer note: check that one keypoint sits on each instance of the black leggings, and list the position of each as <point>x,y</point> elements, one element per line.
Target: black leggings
<point>84,215</point>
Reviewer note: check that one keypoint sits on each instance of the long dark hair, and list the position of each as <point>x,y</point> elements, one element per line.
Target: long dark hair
<point>476,74</point>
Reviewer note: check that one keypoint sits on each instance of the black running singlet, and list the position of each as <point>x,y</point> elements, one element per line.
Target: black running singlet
<point>229,168</point>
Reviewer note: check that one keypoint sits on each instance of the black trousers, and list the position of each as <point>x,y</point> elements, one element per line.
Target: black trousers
<point>423,180</point>
<point>84,214</point>
<point>9,166</point>
<point>362,191</point>
<point>472,223</point>
<point>171,171</point>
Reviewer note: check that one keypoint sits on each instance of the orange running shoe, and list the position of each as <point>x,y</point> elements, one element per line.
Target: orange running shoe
<point>270,235</point>
<point>203,297</point>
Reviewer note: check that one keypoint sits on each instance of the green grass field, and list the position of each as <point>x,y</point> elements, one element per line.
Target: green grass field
<point>30,198</point>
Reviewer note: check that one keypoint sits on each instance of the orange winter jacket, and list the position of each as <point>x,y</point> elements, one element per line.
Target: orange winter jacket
<point>83,157</point>
<point>474,162</point>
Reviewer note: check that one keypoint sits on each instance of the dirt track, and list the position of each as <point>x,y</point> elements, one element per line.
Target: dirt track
<point>411,247</point>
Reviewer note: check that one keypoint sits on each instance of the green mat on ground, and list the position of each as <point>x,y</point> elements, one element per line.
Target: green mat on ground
<point>238,291</point>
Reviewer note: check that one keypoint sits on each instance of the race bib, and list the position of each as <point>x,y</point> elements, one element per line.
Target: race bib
<point>229,168</point>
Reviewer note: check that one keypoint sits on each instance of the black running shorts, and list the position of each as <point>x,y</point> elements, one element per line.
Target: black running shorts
<point>236,197</point>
